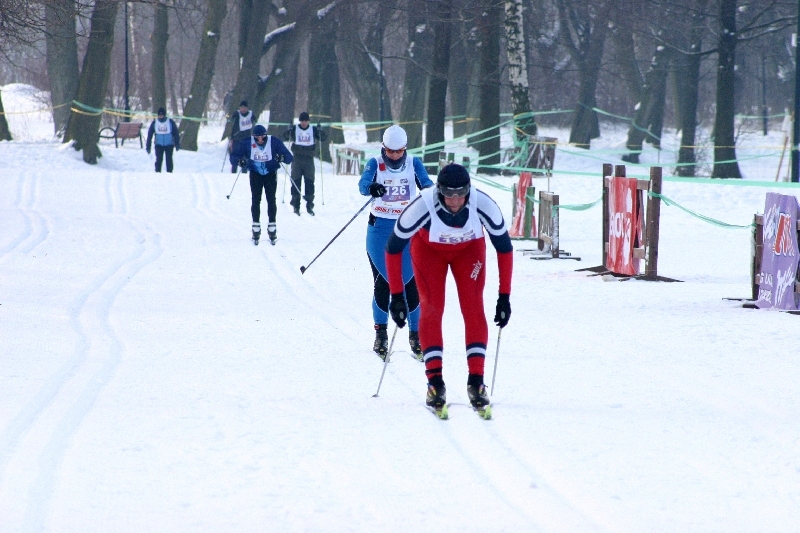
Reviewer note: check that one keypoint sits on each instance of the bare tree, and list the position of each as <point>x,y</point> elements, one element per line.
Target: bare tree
<point>437,82</point>
<point>518,68</point>
<point>62,58</point>
<point>83,124</point>
<point>158,40</point>
<point>203,73</point>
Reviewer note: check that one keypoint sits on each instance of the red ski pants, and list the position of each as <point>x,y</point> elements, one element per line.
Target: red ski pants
<point>467,262</point>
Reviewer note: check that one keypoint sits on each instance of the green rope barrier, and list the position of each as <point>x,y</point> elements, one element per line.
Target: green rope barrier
<point>715,222</point>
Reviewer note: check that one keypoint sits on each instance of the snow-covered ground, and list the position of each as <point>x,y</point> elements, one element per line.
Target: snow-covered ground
<point>158,372</point>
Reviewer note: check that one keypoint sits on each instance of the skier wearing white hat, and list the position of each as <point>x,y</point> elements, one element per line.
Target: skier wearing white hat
<point>393,179</point>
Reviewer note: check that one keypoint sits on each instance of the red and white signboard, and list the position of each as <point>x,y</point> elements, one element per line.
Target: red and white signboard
<point>517,228</point>
<point>623,228</point>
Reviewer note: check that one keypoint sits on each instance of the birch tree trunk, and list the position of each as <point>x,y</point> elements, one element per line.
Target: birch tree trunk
<point>158,39</point>
<point>83,128</point>
<point>62,58</point>
<point>518,68</point>
<point>203,73</point>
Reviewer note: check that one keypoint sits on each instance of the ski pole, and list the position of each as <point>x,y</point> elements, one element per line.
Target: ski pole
<point>283,195</point>
<point>224,157</point>
<point>304,268</point>
<point>386,361</point>
<point>321,178</point>
<point>234,183</point>
<point>496,354</point>
<point>290,179</point>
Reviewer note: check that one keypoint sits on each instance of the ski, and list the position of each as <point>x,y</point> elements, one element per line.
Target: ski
<point>272,241</point>
<point>484,412</point>
<point>440,412</point>
<point>255,240</point>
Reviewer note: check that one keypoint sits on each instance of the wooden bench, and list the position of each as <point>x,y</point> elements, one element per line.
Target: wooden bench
<point>124,130</point>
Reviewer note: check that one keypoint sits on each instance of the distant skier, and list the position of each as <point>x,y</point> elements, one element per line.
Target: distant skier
<point>241,127</point>
<point>445,226</point>
<point>167,138</point>
<point>262,155</point>
<point>392,179</point>
<point>303,139</point>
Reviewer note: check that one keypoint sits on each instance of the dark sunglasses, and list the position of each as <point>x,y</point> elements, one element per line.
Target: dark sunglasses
<point>454,192</point>
<point>390,151</point>
<point>260,136</point>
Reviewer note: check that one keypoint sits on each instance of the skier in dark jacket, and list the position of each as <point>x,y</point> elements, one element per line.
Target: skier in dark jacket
<point>262,155</point>
<point>303,137</point>
<point>241,127</point>
<point>167,138</point>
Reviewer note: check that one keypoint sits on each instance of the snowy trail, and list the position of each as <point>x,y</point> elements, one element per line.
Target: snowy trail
<point>158,372</point>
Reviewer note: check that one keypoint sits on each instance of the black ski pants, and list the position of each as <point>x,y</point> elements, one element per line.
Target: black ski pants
<point>269,183</point>
<point>160,152</point>
<point>303,167</point>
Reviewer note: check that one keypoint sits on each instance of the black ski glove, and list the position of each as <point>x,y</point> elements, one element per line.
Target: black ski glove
<point>376,190</point>
<point>243,163</point>
<point>398,309</point>
<point>503,310</point>
<point>279,158</point>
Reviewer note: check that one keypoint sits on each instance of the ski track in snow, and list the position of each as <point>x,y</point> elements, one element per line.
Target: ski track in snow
<point>92,365</point>
<point>36,227</point>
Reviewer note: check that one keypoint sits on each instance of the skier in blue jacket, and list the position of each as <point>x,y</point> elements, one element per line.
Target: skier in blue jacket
<point>167,138</point>
<point>393,179</point>
<point>262,155</point>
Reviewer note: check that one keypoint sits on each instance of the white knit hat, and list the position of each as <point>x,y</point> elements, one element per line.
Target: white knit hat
<point>394,138</point>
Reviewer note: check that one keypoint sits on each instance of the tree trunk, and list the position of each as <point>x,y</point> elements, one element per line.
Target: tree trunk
<point>437,88</point>
<point>248,78</point>
<point>458,84</point>
<point>83,127</point>
<point>488,144</point>
<point>649,111</point>
<point>5,133</point>
<point>622,38</point>
<point>158,39</point>
<point>725,164</point>
<point>324,101</point>
<point>281,106</point>
<point>418,60</point>
<point>62,58</point>
<point>588,23</point>
<point>687,78</point>
<point>203,73</point>
<point>245,12</point>
<point>518,69</point>
<point>361,69</point>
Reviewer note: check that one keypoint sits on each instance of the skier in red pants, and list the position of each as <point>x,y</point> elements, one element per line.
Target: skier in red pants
<point>446,226</point>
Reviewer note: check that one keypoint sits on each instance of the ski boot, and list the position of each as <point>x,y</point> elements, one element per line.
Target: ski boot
<point>416,349</point>
<point>436,399</point>
<point>273,233</point>
<point>296,209</point>
<point>381,345</point>
<point>479,399</point>
<point>256,232</point>
<point>310,210</point>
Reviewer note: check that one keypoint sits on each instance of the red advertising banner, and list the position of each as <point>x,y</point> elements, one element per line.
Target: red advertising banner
<point>517,228</point>
<point>623,227</point>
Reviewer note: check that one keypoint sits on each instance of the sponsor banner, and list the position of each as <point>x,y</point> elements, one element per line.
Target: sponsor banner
<point>623,229</point>
<point>517,228</point>
<point>780,256</point>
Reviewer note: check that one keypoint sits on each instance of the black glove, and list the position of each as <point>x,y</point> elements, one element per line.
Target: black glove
<point>398,309</point>
<point>503,310</point>
<point>279,158</point>
<point>147,150</point>
<point>376,190</point>
<point>243,163</point>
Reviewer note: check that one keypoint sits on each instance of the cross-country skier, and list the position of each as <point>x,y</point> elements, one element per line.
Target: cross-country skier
<point>446,228</point>
<point>392,179</point>
<point>303,137</point>
<point>262,155</point>
<point>241,127</point>
<point>167,138</point>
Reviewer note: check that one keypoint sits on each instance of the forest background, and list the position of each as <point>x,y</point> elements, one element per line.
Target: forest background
<point>714,66</point>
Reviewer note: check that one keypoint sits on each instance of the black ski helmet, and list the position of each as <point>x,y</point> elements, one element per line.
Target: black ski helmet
<point>259,130</point>
<point>453,176</point>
